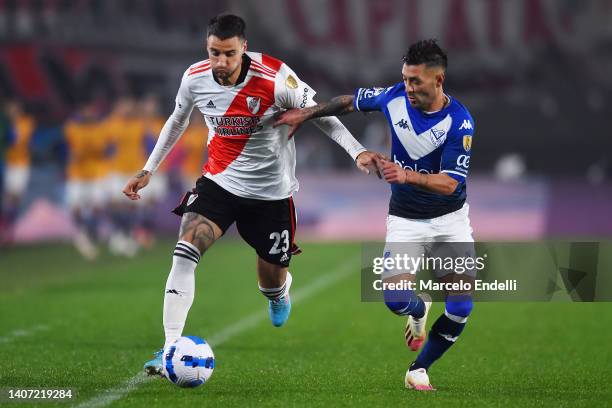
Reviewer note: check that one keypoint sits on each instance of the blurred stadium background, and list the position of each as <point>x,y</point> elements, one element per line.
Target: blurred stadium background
<point>92,81</point>
<point>534,73</point>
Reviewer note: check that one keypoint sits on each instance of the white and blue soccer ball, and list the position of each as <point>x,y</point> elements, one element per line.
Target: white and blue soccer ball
<point>188,362</point>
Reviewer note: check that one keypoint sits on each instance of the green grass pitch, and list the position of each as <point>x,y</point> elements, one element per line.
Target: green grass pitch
<point>70,324</point>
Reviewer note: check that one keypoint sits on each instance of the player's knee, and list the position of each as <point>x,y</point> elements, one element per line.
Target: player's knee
<point>397,307</point>
<point>459,305</point>
<point>400,302</point>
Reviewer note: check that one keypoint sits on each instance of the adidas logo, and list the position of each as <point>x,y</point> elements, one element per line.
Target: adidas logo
<point>284,258</point>
<point>210,104</point>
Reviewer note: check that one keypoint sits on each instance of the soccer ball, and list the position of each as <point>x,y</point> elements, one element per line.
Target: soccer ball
<point>188,362</point>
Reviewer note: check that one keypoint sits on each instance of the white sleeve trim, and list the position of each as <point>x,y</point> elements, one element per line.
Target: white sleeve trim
<point>336,131</point>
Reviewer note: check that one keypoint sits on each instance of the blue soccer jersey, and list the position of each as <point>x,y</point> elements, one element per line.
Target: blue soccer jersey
<point>428,143</point>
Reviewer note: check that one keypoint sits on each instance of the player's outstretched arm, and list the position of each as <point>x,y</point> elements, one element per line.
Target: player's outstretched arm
<point>340,105</point>
<point>136,183</point>
<point>439,183</point>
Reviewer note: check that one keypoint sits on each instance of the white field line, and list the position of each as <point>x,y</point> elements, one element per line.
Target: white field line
<point>111,395</point>
<point>19,333</point>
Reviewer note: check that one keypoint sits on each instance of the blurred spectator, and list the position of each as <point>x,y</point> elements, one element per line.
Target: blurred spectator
<point>126,132</point>
<point>6,139</point>
<point>153,121</point>
<point>88,143</point>
<point>48,155</point>
<point>17,172</point>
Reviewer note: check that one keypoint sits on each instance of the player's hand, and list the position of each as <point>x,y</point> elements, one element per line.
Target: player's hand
<point>393,173</point>
<point>369,161</point>
<point>292,118</point>
<point>136,183</point>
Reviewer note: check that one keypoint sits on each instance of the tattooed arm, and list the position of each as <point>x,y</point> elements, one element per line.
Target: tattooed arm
<point>340,105</point>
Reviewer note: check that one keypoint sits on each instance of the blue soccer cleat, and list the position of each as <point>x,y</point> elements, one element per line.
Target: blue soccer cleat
<point>154,367</point>
<point>280,308</point>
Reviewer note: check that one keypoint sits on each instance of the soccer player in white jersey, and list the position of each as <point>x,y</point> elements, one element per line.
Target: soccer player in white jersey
<point>431,147</point>
<point>249,178</point>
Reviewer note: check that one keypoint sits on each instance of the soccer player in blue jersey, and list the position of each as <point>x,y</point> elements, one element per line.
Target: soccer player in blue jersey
<point>431,135</point>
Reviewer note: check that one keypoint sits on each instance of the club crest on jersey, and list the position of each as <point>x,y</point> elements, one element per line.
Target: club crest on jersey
<point>253,103</point>
<point>437,136</point>
<point>467,142</point>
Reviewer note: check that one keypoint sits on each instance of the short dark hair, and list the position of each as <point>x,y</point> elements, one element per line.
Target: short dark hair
<point>426,52</point>
<point>226,26</point>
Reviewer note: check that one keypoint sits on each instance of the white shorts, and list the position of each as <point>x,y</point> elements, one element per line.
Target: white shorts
<point>84,194</point>
<point>416,238</point>
<point>16,179</point>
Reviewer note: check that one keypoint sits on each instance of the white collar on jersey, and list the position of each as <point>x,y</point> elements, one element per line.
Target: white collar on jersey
<point>446,103</point>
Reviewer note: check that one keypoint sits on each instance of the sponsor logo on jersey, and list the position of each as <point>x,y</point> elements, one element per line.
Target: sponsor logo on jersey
<point>466,125</point>
<point>467,142</point>
<point>291,82</point>
<point>253,103</point>
<point>414,167</point>
<point>210,104</point>
<point>235,125</point>
<point>304,98</point>
<point>191,199</point>
<point>463,161</point>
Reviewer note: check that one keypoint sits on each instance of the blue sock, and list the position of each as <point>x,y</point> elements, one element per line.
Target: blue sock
<point>442,336</point>
<point>404,303</point>
<point>445,330</point>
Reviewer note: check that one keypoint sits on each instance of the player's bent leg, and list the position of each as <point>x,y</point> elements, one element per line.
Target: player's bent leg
<point>444,333</point>
<point>274,283</point>
<point>196,235</point>
<point>199,231</point>
<point>398,296</point>
<point>403,301</point>
<point>415,332</point>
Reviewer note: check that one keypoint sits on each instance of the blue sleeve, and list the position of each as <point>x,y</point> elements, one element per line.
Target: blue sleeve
<point>371,99</point>
<point>457,149</point>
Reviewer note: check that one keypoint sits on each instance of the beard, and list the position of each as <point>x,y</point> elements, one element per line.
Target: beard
<point>420,101</point>
<point>224,75</point>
